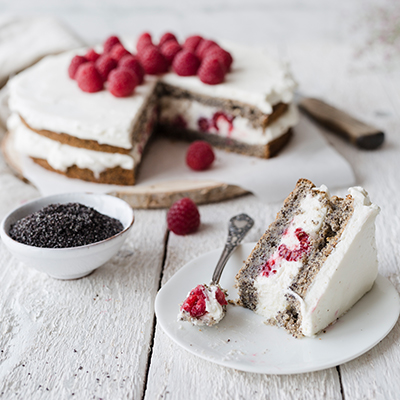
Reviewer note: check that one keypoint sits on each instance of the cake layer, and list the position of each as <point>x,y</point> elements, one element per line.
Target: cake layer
<point>314,262</point>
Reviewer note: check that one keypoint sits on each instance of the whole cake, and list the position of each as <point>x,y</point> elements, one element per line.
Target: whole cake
<point>100,137</point>
<point>314,262</point>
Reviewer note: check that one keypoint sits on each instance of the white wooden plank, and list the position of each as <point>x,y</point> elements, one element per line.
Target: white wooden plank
<point>86,338</point>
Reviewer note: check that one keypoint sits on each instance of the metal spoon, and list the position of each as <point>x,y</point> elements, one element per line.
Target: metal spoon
<point>206,304</point>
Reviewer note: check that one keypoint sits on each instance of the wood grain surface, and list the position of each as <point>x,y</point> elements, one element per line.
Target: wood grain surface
<point>97,337</point>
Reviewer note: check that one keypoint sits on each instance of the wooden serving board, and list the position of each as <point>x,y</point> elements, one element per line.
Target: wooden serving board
<point>161,195</point>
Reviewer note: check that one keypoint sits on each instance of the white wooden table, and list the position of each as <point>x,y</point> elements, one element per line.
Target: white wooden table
<point>97,337</point>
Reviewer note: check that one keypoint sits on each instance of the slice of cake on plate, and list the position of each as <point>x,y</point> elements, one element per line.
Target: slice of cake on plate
<point>314,262</point>
<point>99,137</point>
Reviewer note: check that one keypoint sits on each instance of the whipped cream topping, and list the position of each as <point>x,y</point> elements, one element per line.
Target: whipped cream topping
<point>272,289</point>
<point>48,99</point>
<point>237,128</point>
<point>61,156</point>
<point>348,273</point>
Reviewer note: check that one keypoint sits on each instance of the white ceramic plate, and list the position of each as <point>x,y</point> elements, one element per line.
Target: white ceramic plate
<point>243,342</point>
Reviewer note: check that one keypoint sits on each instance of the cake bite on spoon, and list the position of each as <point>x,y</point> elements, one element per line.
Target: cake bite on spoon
<point>206,304</point>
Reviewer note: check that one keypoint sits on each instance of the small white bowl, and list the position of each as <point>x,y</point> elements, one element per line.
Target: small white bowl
<point>72,262</point>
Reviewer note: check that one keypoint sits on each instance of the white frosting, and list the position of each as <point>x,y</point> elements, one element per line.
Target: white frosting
<point>241,129</point>
<point>23,41</point>
<point>48,99</point>
<point>347,274</point>
<point>255,78</point>
<point>61,156</point>
<point>214,311</point>
<point>272,289</point>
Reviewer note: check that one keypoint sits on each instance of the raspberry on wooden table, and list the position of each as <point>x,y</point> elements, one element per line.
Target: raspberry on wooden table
<point>122,82</point>
<point>104,65</point>
<point>88,78</point>
<point>186,63</point>
<point>183,217</point>
<point>110,43</point>
<point>166,37</point>
<point>153,61</point>
<point>132,63</point>
<point>211,71</point>
<point>76,62</point>
<point>200,155</point>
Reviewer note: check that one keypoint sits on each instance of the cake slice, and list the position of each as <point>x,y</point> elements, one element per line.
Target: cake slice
<point>314,262</point>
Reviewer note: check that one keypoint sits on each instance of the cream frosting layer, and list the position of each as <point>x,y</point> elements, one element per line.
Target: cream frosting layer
<point>61,156</point>
<point>48,99</point>
<point>272,289</point>
<point>237,128</point>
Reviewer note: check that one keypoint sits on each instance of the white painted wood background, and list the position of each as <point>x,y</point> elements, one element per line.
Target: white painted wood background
<point>97,337</point>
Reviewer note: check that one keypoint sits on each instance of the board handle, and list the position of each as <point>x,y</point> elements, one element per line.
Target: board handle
<point>359,133</point>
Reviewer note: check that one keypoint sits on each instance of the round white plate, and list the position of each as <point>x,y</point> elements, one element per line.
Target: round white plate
<point>242,341</point>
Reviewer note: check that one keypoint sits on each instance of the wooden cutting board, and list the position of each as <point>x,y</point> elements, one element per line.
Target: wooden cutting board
<point>161,195</point>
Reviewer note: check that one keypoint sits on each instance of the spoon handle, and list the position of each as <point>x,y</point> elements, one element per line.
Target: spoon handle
<point>239,225</point>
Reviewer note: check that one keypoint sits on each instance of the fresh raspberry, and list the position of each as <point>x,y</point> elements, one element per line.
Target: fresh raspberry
<point>170,49</point>
<point>122,82</point>
<point>183,217</point>
<point>220,296</point>
<point>91,55</point>
<point>195,304</point>
<point>104,65</point>
<point>166,37</point>
<point>76,62</point>
<point>185,63</point>
<point>211,71</point>
<point>143,41</point>
<point>200,155</point>
<point>192,42</point>
<point>118,51</point>
<point>153,61</point>
<point>88,78</point>
<point>110,43</point>
<point>222,55</point>
<point>221,116</point>
<point>203,47</point>
<point>132,63</point>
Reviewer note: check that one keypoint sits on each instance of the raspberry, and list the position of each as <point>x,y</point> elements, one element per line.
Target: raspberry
<point>223,56</point>
<point>211,71</point>
<point>220,296</point>
<point>192,42</point>
<point>143,41</point>
<point>166,37</point>
<point>110,43</point>
<point>203,47</point>
<point>153,61</point>
<point>76,62</point>
<point>104,65</point>
<point>203,124</point>
<point>88,78</point>
<point>170,49</point>
<point>195,304</point>
<point>91,55</point>
<point>200,155</point>
<point>122,82</point>
<point>221,116</point>
<point>183,217</point>
<point>118,51</point>
<point>186,63</point>
<point>132,63</point>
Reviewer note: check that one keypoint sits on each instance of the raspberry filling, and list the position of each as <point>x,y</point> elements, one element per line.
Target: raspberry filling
<point>218,122</point>
<point>286,252</point>
<point>195,303</point>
